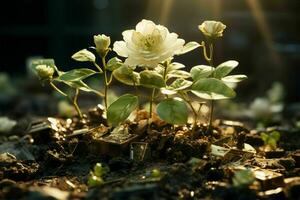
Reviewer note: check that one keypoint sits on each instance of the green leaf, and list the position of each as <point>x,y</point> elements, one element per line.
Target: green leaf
<point>234,78</point>
<point>173,111</point>
<point>126,75</point>
<point>168,91</point>
<point>76,74</point>
<point>275,135</point>
<point>189,47</point>
<point>201,71</point>
<point>84,55</point>
<point>175,65</point>
<point>79,85</point>
<point>114,64</point>
<point>271,139</point>
<point>151,79</point>
<point>120,109</point>
<point>172,67</point>
<point>178,74</point>
<point>225,68</point>
<point>180,84</point>
<point>264,137</point>
<point>177,85</point>
<point>211,88</point>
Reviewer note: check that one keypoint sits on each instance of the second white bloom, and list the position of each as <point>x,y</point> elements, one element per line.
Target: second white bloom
<point>212,28</point>
<point>148,45</point>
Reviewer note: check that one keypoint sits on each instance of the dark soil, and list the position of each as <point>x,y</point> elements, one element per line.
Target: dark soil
<point>53,160</point>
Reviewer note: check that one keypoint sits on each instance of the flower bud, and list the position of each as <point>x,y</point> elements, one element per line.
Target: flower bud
<point>44,71</point>
<point>102,43</point>
<point>212,29</point>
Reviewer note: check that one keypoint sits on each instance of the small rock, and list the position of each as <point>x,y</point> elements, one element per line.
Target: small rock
<point>45,193</point>
<point>6,183</point>
<point>292,187</point>
<point>288,163</point>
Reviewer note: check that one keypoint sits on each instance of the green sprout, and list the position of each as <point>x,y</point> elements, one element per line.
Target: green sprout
<point>95,177</point>
<point>271,139</point>
<point>155,173</point>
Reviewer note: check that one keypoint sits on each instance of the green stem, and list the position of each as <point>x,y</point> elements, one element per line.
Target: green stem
<point>165,71</point>
<point>138,95</point>
<point>105,83</point>
<point>75,103</point>
<point>166,64</point>
<point>195,113</point>
<point>98,67</point>
<point>205,53</point>
<point>210,61</point>
<point>211,49</point>
<point>211,115</point>
<point>151,105</point>
<point>58,90</point>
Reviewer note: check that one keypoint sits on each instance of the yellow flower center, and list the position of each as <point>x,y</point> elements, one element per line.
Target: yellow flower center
<point>148,42</point>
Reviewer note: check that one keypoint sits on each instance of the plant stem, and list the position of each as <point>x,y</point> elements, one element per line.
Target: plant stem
<point>195,113</point>
<point>58,90</point>
<point>105,83</point>
<point>98,67</point>
<point>211,49</point>
<point>151,105</point>
<point>138,95</point>
<point>166,64</point>
<point>165,70</point>
<point>211,115</point>
<point>210,61</point>
<point>75,103</point>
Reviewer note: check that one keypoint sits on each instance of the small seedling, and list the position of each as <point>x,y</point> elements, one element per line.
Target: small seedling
<point>155,173</point>
<point>271,139</point>
<point>95,177</point>
<point>95,181</point>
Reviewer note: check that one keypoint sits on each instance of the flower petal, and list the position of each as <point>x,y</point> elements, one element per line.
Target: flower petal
<point>127,35</point>
<point>120,48</point>
<point>145,26</point>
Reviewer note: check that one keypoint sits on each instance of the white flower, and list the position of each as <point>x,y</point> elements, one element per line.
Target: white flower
<point>212,28</point>
<point>44,71</point>
<point>148,45</point>
<point>102,43</point>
